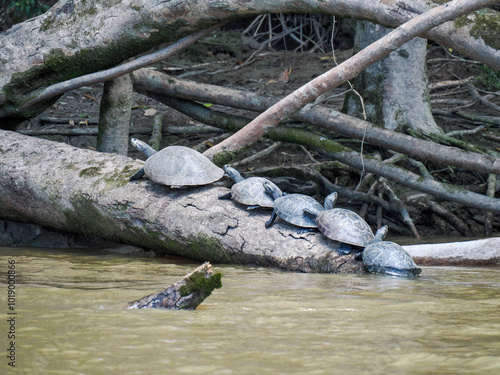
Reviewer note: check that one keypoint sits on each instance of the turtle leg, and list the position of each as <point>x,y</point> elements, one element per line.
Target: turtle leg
<point>344,249</point>
<point>271,220</point>
<point>225,196</point>
<point>306,230</point>
<point>253,207</point>
<point>138,175</point>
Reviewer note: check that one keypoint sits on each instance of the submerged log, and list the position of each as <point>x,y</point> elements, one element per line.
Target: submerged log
<point>83,191</point>
<point>186,294</point>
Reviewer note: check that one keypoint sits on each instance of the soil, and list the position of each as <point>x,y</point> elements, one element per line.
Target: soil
<point>278,73</point>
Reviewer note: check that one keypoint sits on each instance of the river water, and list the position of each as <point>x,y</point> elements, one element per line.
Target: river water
<point>71,319</point>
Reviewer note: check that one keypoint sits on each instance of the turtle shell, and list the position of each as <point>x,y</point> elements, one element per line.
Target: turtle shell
<point>181,166</point>
<point>389,258</point>
<point>345,226</point>
<point>291,209</point>
<point>251,192</point>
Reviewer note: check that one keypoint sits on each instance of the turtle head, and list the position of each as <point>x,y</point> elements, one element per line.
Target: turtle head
<point>143,147</point>
<point>232,173</point>
<point>272,190</point>
<point>330,200</point>
<point>380,234</point>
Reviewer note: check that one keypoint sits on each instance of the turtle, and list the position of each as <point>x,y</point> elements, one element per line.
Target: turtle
<point>290,207</point>
<point>176,166</point>
<point>389,258</point>
<point>248,191</point>
<point>343,225</point>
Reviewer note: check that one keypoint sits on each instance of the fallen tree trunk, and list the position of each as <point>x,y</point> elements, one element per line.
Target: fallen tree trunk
<point>483,252</point>
<point>186,294</point>
<point>83,191</point>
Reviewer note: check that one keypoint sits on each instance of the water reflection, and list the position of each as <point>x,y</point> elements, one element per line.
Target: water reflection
<point>71,319</point>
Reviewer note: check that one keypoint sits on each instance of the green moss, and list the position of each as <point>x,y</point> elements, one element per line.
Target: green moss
<point>198,283</point>
<point>203,247</point>
<point>86,218</point>
<point>90,172</point>
<point>484,26</point>
<point>223,158</point>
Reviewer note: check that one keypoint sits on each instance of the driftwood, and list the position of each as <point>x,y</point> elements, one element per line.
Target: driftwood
<point>84,191</point>
<point>186,294</point>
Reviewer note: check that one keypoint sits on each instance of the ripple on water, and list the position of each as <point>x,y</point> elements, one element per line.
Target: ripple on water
<point>72,319</point>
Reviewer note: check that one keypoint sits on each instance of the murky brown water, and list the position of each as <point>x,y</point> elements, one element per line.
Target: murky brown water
<point>70,319</point>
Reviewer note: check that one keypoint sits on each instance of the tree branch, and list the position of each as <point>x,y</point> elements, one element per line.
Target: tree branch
<point>344,72</point>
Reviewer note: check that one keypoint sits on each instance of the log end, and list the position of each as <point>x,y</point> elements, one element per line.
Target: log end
<point>185,294</point>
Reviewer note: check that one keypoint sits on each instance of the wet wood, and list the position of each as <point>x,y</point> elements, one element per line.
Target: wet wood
<point>186,294</point>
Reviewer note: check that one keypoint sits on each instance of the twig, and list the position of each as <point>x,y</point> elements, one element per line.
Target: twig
<point>456,133</point>
<point>258,155</point>
<point>402,209</point>
<point>484,101</point>
<point>424,202</point>
<point>448,84</point>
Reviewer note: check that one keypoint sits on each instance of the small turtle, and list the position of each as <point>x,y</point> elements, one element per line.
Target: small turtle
<point>176,166</point>
<point>290,207</point>
<point>343,225</point>
<point>389,258</point>
<point>249,191</point>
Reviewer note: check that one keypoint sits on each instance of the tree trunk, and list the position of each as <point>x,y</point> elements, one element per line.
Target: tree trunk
<point>395,89</point>
<point>83,191</point>
<point>77,38</point>
<point>114,117</point>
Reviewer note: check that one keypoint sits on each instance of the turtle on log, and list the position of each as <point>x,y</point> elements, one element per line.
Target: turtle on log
<point>176,166</point>
<point>249,191</point>
<point>342,225</point>
<point>290,207</point>
<point>389,258</point>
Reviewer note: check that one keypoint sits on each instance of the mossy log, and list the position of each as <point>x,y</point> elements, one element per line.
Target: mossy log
<point>84,191</point>
<point>186,294</point>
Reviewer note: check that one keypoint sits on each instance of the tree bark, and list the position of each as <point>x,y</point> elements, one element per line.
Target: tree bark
<point>77,38</point>
<point>395,89</point>
<point>115,114</point>
<point>83,191</point>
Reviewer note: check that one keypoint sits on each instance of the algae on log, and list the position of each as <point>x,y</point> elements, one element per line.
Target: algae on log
<point>84,191</point>
<point>186,294</point>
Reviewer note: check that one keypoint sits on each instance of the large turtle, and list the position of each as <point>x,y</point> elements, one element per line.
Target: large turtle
<point>248,191</point>
<point>389,258</point>
<point>343,225</point>
<point>290,207</point>
<point>176,166</point>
